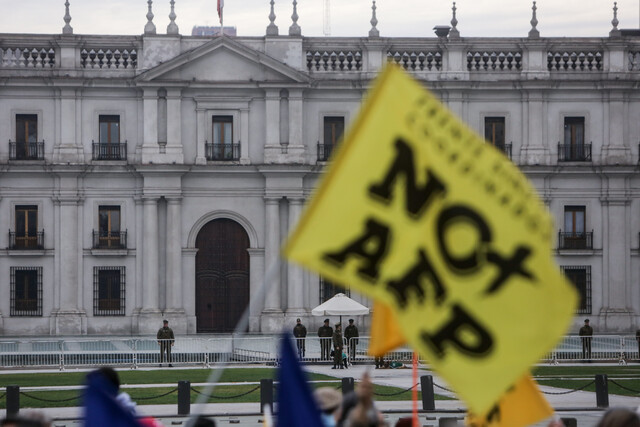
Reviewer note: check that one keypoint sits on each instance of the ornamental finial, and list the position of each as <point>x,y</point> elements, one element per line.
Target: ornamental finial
<point>67,29</point>
<point>150,27</point>
<point>373,32</point>
<point>533,32</point>
<point>454,33</point>
<point>294,29</point>
<point>172,28</point>
<point>272,29</point>
<point>615,32</point>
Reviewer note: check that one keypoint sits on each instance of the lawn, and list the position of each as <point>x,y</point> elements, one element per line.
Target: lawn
<point>241,392</point>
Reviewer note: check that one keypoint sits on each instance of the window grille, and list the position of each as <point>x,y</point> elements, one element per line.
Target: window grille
<point>328,289</point>
<point>580,276</point>
<point>26,291</point>
<point>109,291</point>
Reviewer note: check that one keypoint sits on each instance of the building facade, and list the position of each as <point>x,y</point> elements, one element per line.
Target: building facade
<point>156,176</point>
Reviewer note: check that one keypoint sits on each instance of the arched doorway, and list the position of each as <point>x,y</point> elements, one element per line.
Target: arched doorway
<point>222,275</point>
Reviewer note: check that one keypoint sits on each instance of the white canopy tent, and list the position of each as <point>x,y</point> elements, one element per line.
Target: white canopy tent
<point>340,305</point>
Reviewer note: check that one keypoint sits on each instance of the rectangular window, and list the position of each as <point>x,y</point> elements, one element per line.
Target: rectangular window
<point>574,218</point>
<point>222,147</point>
<point>109,129</point>
<point>328,289</point>
<point>109,227</point>
<point>26,232</point>
<point>574,235</point>
<point>26,291</point>
<point>574,131</point>
<point>580,276</point>
<point>109,291</point>
<point>26,128</point>
<point>333,130</point>
<point>494,131</point>
<point>26,146</point>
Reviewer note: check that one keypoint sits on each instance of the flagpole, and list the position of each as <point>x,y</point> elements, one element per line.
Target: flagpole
<point>414,391</point>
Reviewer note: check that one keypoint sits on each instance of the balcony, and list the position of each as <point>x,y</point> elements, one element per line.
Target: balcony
<point>222,152</point>
<point>26,150</point>
<point>109,151</point>
<point>574,152</point>
<point>324,152</point>
<point>573,240</point>
<point>26,241</point>
<point>505,148</point>
<point>109,239</point>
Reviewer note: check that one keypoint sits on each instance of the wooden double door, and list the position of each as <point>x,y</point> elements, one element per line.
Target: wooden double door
<point>222,276</point>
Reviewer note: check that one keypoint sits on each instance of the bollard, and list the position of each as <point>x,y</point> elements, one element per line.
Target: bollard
<point>428,397</point>
<point>602,391</point>
<point>266,394</point>
<point>447,422</point>
<point>347,385</point>
<point>13,400</point>
<point>184,397</point>
<point>569,422</point>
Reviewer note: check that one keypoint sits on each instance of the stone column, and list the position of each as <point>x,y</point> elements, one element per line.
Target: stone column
<point>614,151</point>
<point>68,317</point>
<point>174,153</point>
<point>272,313</point>
<point>256,277</point>
<point>272,149</point>
<point>244,136</point>
<point>174,257</point>
<point>67,149</point>
<point>201,136</point>
<point>616,277</point>
<point>150,125</point>
<point>295,287</point>
<point>150,295</point>
<point>296,149</point>
<point>535,152</point>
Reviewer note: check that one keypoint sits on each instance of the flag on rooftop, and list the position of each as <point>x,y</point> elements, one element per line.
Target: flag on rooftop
<point>418,211</point>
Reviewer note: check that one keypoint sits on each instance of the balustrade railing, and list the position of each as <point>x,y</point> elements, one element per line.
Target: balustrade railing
<point>575,240</point>
<point>109,239</point>
<point>580,60</point>
<point>25,57</point>
<point>574,152</point>
<point>109,58</point>
<point>494,60</point>
<point>222,151</point>
<point>26,240</point>
<point>505,148</point>
<point>334,60</point>
<point>26,150</point>
<point>416,60</point>
<point>108,151</point>
<point>324,152</point>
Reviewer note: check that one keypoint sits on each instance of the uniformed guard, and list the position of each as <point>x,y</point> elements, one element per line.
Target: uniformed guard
<point>337,347</point>
<point>325,332</point>
<point>165,340</point>
<point>351,334</point>
<point>300,332</point>
<point>586,333</point>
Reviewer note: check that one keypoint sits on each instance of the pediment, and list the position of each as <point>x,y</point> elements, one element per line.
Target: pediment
<point>223,60</point>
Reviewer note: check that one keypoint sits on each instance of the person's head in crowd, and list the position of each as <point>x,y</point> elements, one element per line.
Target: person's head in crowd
<point>328,400</point>
<point>203,421</point>
<point>28,418</point>
<point>619,417</point>
<point>110,374</point>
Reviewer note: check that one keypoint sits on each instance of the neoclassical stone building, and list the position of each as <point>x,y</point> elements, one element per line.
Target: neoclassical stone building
<point>156,176</point>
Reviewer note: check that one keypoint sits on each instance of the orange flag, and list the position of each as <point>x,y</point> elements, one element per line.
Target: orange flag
<point>385,331</point>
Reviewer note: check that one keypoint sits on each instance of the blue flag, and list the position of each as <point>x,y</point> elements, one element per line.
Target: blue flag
<point>100,406</point>
<point>296,406</point>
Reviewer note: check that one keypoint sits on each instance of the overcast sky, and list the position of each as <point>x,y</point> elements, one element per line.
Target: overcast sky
<point>410,18</point>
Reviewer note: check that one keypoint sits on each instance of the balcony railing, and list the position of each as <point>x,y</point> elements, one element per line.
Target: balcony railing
<point>222,151</point>
<point>574,152</point>
<point>26,241</point>
<point>109,151</point>
<point>324,152</point>
<point>573,240</point>
<point>26,150</point>
<point>505,148</point>
<point>109,239</point>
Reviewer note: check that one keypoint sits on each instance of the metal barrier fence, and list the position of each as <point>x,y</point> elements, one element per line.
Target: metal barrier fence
<point>145,351</point>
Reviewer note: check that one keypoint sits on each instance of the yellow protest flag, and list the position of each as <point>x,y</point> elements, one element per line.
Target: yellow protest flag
<point>522,405</point>
<point>386,334</point>
<point>418,212</point>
